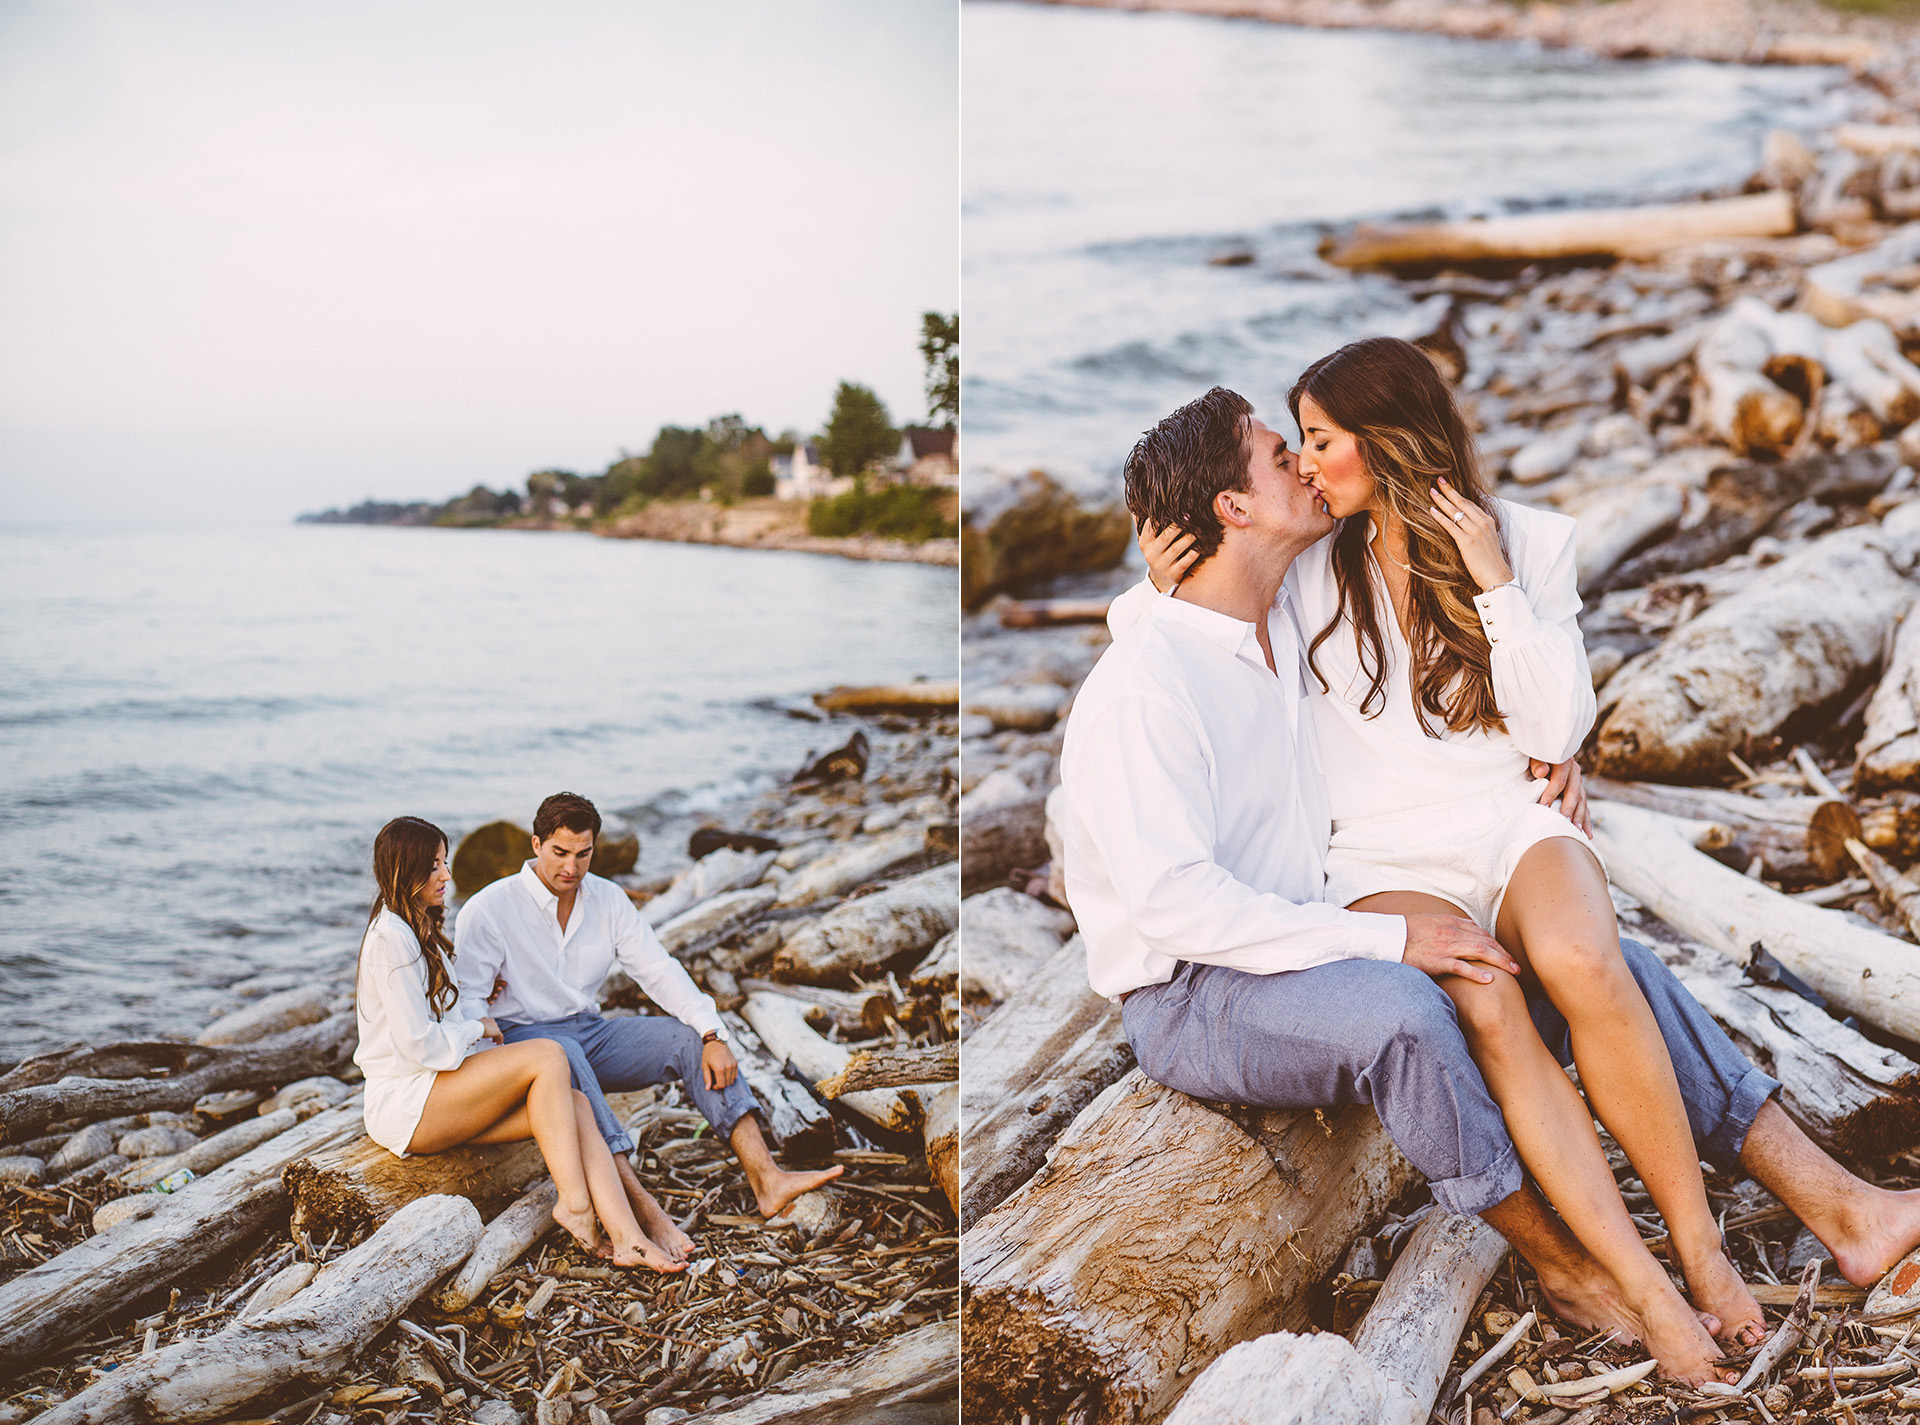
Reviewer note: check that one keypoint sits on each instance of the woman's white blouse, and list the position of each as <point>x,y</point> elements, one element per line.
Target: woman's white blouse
<point>1388,764</point>
<point>399,1037</point>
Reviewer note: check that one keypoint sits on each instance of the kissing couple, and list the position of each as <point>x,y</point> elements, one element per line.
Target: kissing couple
<point>1326,844</point>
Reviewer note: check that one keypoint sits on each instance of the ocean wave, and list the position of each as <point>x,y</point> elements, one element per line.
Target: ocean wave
<point>174,710</point>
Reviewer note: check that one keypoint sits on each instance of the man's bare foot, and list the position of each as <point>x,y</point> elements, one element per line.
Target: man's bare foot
<point>775,1191</point>
<point>644,1253</point>
<point>1715,1287</point>
<point>1676,1336</point>
<point>663,1231</point>
<point>1881,1228</point>
<point>582,1226</point>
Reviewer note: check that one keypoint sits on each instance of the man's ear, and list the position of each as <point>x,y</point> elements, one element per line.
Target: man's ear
<point>1231,506</point>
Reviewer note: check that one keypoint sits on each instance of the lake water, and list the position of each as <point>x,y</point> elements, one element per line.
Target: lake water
<point>1108,155</point>
<point>202,730</point>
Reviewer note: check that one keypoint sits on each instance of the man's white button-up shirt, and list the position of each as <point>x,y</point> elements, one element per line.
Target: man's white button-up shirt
<point>512,929</point>
<point>1196,816</point>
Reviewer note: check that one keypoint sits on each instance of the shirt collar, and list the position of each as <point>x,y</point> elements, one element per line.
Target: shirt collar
<point>531,883</point>
<point>1230,635</point>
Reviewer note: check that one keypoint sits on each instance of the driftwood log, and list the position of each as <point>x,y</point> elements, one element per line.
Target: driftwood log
<point>782,1026</point>
<point>273,1014</point>
<point>1588,232</point>
<point>1801,634</point>
<point>942,1134</point>
<point>914,699</point>
<point>993,843</point>
<point>922,1364</point>
<point>1855,1099</point>
<point>713,874</point>
<point>1796,838</point>
<point>351,1184</point>
<point>1160,1233</point>
<point>1052,613</point>
<point>1743,500</point>
<point>862,938</point>
<point>800,1127</point>
<point>1032,1066</point>
<point>1652,858</point>
<point>1889,750</point>
<point>858,1013</point>
<point>865,859</point>
<point>1390,1374</point>
<point>348,1303</point>
<point>191,1071</point>
<point>896,1068</point>
<point>61,1300</point>
<point>508,1236</point>
<point>710,922</point>
<point>212,1151</point>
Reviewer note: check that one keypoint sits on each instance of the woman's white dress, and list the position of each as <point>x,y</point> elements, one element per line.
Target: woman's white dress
<point>403,1047</point>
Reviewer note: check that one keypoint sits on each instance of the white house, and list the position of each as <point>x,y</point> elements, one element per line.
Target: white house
<point>802,476</point>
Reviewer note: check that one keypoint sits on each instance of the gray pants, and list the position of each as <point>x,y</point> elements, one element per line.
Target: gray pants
<point>632,1052</point>
<point>1383,1033</point>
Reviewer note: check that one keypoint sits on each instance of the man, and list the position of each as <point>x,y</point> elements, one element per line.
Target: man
<point>538,944</point>
<point>1195,830</point>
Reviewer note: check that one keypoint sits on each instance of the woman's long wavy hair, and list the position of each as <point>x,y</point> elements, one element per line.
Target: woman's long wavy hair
<point>403,857</point>
<point>1386,394</point>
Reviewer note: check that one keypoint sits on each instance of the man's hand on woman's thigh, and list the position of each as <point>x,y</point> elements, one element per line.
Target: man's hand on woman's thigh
<point>1453,945</point>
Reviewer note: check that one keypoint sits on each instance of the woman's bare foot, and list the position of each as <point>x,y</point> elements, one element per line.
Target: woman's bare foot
<point>1715,1287</point>
<point>1676,1336</point>
<point>644,1253</point>
<point>582,1226</point>
<point>664,1232</point>
<point>775,1191</point>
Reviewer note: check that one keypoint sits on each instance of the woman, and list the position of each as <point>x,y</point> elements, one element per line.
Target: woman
<point>1445,657</point>
<point>429,1088</point>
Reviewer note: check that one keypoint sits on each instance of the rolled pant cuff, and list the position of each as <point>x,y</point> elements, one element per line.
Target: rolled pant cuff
<point>620,1142</point>
<point>1493,1185</point>
<point>1729,1136</point>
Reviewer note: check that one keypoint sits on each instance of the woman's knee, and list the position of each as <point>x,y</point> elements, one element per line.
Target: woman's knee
<point>548,1056</point>
<point>1588,963</point>
<point>1489,1013</point>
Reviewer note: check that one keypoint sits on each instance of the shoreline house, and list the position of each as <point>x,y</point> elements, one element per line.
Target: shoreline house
<point>803,476</point>
<point>927,457</point>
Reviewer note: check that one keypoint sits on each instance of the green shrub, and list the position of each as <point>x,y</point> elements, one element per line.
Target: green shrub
<point>901,512</point>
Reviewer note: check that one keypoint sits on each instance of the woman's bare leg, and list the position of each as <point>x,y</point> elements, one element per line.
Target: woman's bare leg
<point>1557,920</point>
<point>1553,1131</point>
<point>508,1093</point>
<point>631,1246</point>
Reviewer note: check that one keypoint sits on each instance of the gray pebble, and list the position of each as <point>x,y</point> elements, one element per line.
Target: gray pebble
<point>665,1415</point>
<point>495,1412</point>
<point>155,1142</point>
<point>89,1145</point>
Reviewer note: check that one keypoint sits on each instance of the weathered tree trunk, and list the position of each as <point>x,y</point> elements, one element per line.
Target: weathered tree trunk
<point>1582,233</point>
<point>310,1338</point>
<point>1009,936</point>
<point>801,1128</point>
<point>1649,856</point>
<point>1744,500</point>
<point>992,843</point>
<point>712,875</point>
<point>209,1153</point>
<point>861,938</point>
<point>1855,1099</point>
<point>839,871</point>
<point>1843,291</point>
<point>357,1182</point>
<point>1390,1374</point>
<point>1032,1066</point>
<point>501,1245</point>
<point>1897,892</point>
<point>782,1026</point>
<point>714,919</point>
<point>1735,399</point>
<point>856,1012</point>
<point>1158,1235</point>
<point>62,1300</point>
<point>273,1014</point>
<point>896,1068</point>
<point>313,1049</point>
<point>1778,831</point>
<point>1619,519</point>
<point>1052,613</point>
<point>922,1364</point>
<point>914,699</point>
<point>1798,635</point>
<point>1889,750</point>
<point>942,1134</point>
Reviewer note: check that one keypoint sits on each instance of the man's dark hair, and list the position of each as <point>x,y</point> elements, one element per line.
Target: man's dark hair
<point>566,809</point>
<point>1176,469</point>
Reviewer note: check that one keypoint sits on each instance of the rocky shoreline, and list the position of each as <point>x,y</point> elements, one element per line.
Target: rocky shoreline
<point>833,946</point>
<point>768,524</point>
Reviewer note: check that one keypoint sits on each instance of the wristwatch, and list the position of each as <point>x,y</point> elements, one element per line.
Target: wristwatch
<point>719,1034</point>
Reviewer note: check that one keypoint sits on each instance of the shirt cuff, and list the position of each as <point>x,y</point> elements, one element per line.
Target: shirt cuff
<point>704,1021</point>
<point>1378,937</point>
<point>1505,613</point>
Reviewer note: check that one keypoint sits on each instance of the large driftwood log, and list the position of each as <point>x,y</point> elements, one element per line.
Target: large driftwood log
<point>349,1302</point>
<point>942,1134</point>
<point>866,859</point>
<point>1582,233</point>
<point>855,1012</point>
<point>1032,1066</point>
<point>273,1014</point>
<point>62,1300</point>
<point>922,1364</point>
<point>801,1128</point>
<point>210,1152</point>
<point>357,1182</point>
<point>1650,856</point>
<point>1854,1098</point>
<point>782,1026</point>
<point>194,1070</point>
<point>921,699</point>
<point>1391,1373</point>
<point>861,938</point>
<point>896,1068</point>
<point>1736,398</point>
<point>1796,838</point>
<point>1009,935</point>
<point>1843,291</point>
<point>1743,500</point>
<point>1889,750</point>
<point>713,920</point>
<point>992,843</point>
<point>713,874</point>
<point>1799,635</point>
<point>1159,1234</point>
<point>509,1235</point>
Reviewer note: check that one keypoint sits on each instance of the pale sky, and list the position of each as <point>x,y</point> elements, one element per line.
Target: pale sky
<point>257,259</point>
